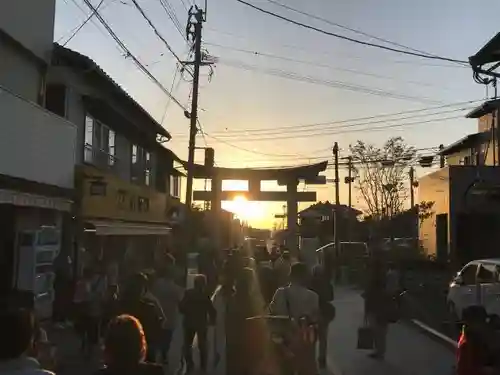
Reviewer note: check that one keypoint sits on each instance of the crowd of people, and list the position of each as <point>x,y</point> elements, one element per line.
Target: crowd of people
<point>134,320</point>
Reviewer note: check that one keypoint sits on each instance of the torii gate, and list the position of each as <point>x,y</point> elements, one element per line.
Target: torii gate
<point>289,177</point>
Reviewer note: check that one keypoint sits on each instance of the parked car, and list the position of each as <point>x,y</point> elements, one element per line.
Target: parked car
<point>478,283</point>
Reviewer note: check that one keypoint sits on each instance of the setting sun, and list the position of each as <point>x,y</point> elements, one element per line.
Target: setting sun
<point>244,209</point>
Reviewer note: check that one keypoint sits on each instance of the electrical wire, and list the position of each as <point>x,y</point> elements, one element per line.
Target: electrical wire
<point>313,16</point>
<point>323,82</point>
<point>341,55</point>
<point>431,150</point>
<point>158,34</point>
<point>169,10</point>
<point>347,131</point>
<point>184,5</point>
<point>338,122</point>
<point>172,89</point>
<point>332,127</point>
<point>245,149</point>
<point>77,30</point>
<point>326,66</point>
<point>310,27</point>
<point>129,54</point>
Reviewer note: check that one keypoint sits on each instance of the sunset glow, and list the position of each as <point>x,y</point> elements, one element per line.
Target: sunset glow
<point>244,209</point>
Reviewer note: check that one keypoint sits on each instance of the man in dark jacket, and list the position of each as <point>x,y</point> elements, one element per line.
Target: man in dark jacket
<point>199,312</point>
<point>135,303</point>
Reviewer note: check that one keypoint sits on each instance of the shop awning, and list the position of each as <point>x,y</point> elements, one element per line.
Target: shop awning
<point>116,228</point>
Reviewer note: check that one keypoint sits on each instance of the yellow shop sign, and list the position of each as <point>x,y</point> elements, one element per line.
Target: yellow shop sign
<point>108,197</point>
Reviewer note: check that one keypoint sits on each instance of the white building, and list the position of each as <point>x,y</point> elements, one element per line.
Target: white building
<point>37,149</point>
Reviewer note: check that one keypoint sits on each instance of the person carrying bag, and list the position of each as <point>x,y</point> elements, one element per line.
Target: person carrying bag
<point>301,306</point>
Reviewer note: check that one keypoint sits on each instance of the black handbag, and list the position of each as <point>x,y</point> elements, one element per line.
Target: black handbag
<point>365,337</point>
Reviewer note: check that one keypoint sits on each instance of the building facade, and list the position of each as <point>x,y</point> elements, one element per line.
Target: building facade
<point>37,155</point>
<point>465,222</point>
<point>126,183</point>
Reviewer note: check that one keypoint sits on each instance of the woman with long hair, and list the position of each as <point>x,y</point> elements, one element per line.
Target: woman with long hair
<point>125,349</point>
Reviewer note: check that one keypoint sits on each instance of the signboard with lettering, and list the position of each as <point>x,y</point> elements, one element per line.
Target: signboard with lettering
<point>106,196</point>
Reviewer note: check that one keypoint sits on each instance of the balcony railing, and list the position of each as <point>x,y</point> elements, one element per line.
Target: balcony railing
<point>35,144</point>
<point>99,158</point>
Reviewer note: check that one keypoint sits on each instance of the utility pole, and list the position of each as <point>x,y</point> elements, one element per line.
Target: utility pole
<point>349,180</point>
<point>335,215</point>
<point>441,156</point>
<point>411,173</point>
<point>193,33</point>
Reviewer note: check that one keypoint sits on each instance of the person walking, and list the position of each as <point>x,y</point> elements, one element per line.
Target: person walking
<point>125,348</point>
<point>134,302</point>
<point>199,312</point>
<point>241,348</point>
<point>321,284</point>
<point>169,295</point>
<point>377,300</point>
<point>301,305</point>
<point>88,300</point>
<point>18,350</point>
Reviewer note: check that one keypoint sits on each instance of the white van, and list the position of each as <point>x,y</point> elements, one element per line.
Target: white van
<point>478,283</point>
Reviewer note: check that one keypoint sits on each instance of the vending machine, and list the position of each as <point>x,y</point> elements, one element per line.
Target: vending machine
<point>37,250</point>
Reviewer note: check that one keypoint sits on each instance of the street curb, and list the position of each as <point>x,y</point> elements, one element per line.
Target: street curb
<point>433,334</point>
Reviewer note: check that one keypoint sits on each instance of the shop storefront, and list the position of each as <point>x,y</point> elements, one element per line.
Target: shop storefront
<point>124,225</point>
<point>31,240</point>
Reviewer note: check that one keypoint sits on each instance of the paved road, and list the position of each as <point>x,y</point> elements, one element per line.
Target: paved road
<point>409,352</point>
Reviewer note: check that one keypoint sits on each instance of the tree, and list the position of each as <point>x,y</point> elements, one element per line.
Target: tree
<point>425,211</point>
<point>382,175</point>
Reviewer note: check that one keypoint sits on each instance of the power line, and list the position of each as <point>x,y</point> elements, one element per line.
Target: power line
<point>333,127</point>
<point>326,66</point>
<point>310,27</point>
<point>77,30</point>
<point>158,34</point>
<point>129,54</point>
<point>347,131</point>
<point>313,16</point>
<point>243,148</point>
<point>169,10</point>
<point>341,55</point>
<point>334,84</point>
<point>428,150</point>
<point>172,89</point>
<point>338,122</point>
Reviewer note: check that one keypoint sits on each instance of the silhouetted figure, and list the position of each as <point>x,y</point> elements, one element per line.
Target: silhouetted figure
<point>321,284</point>
<point>377,300</point>
<point>125,349</point>
<point>135,303</point>
<point>169,295</point>
<point>246,302</point>
<point>199,312</point>
<point>18,349</point>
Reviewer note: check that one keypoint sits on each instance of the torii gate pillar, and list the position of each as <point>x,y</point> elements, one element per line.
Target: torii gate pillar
<point>292,212</point>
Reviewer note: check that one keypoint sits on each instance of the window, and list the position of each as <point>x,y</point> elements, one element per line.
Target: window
<point>89,137</point>
<point>134,154</point>
<point>147,170</point>
<point>141,165</point>
<point>55,99</point>
<point>486,274</point>
<point>175,186</point>
<point>100,143</point>
<point>111,148</point>
<point>469,274</point>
